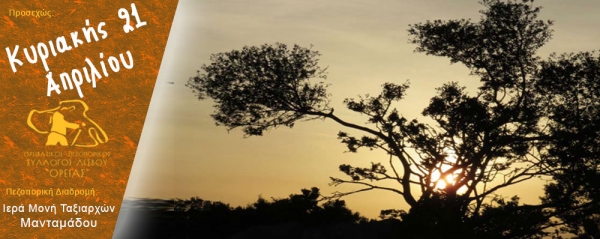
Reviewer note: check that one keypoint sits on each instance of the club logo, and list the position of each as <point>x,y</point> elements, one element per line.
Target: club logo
<point>65,123</point>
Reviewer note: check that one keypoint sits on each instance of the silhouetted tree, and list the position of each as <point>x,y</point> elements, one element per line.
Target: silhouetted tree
<point>570,85</point>
<point>529,118</point>
<point>507,219</point>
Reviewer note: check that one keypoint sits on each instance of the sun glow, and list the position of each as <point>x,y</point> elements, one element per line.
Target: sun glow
<point>442,183</point>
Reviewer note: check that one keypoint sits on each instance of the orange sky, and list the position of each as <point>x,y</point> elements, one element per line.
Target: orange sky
<point>364,43</point>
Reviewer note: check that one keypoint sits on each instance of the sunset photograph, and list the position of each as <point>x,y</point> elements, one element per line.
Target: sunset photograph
<point>372,119</point>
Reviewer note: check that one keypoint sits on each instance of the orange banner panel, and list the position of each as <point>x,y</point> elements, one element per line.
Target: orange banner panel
<point>77,78</point>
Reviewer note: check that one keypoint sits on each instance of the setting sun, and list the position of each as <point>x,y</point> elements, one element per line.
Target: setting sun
<point>442,183</point>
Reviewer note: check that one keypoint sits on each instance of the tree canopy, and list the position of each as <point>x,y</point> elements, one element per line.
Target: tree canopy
<point>531,117</point>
